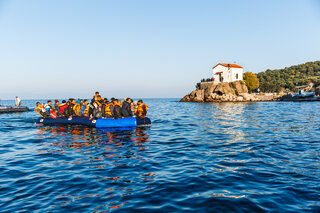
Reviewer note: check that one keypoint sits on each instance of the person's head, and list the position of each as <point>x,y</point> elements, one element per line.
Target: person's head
<point>16,96</point>
<point>73,101</point>
<point>49,102</point>
<point>97,93</point>
<point>38,104</point>
<point>99,97</point>
<point>56,101</point>
<point>85,101</point>
<point>81,101</point>
<point>140,102</point>
<point>114,100</point>
<point>63,101</point>
<point>129,100</point>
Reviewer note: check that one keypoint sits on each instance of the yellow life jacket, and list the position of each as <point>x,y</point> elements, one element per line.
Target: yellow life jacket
<point>77,109</point>
<point>86,110</point>
<point>38,109</point>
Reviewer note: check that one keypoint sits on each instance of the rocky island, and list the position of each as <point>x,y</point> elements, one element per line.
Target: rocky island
<point>235,91</point>
<point>229,84</point>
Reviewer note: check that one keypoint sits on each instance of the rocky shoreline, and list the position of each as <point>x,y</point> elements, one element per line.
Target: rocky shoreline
<point>235,91</point>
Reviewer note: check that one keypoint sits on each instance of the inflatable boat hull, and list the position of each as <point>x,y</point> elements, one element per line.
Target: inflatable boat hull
<point>10,109</point>
<point>99,123</point>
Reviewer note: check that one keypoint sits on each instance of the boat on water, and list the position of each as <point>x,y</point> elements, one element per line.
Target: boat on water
<point>302,94</point>
<point>10,109</point>
<point>99,123</point>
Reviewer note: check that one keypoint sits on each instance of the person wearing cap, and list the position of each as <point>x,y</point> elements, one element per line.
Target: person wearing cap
<point>56,108</point>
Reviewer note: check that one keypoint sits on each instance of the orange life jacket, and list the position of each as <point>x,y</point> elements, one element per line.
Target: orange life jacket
<point>140,112</point>
<point>98,102</point>
<point>77,109</point>
<point>107,109</point>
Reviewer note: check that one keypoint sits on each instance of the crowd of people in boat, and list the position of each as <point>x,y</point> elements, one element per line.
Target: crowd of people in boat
<point>97,108</point>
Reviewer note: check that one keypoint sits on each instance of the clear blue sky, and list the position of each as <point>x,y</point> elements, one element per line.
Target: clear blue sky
<point>146,48</point>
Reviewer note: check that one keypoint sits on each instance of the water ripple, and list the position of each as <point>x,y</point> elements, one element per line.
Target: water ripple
<point>224,157</point>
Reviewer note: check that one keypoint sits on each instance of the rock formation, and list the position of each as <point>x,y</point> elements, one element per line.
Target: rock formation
<point>235,91</point>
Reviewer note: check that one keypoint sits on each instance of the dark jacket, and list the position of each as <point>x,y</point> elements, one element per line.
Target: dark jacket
<point>68,111</point>
<point>117,112</point>
<point>91,108</point>
<point>126,109</point>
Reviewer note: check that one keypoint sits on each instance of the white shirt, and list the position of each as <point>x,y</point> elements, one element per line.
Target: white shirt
<point>18,101</point>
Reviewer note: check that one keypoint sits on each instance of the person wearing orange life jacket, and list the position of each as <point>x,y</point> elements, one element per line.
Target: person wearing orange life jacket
<point>95,97</point>
<point>108,110</point>
<point>141,110</point>
<point>40,110</point>
<point>77,108</point>
<point>99,100</point>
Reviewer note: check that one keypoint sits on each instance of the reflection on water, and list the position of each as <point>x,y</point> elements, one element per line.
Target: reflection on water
<point>109,150</point>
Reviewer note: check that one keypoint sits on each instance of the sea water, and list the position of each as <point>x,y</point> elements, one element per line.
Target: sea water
<point>196,157</point>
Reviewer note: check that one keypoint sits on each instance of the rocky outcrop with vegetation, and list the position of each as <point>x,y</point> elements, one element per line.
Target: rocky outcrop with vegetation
<point>235,91</point>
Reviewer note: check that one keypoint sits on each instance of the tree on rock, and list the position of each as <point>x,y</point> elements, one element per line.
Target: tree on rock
<point>252,81</point>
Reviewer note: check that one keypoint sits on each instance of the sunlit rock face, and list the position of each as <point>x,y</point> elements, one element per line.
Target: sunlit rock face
<point>235,91</point>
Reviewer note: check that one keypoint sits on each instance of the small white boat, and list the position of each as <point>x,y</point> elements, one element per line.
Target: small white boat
<point>302,94</point>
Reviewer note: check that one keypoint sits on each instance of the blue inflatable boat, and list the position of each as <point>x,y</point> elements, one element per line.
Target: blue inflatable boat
<point>99,123</point>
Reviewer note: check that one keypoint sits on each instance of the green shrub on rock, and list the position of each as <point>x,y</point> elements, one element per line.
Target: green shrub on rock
<point>251,80</point>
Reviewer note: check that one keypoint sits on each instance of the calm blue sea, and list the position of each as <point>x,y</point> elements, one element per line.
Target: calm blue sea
<point>222,157</point>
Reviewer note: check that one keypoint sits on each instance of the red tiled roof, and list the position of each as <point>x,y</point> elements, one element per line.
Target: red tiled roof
<point>228,65</point>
